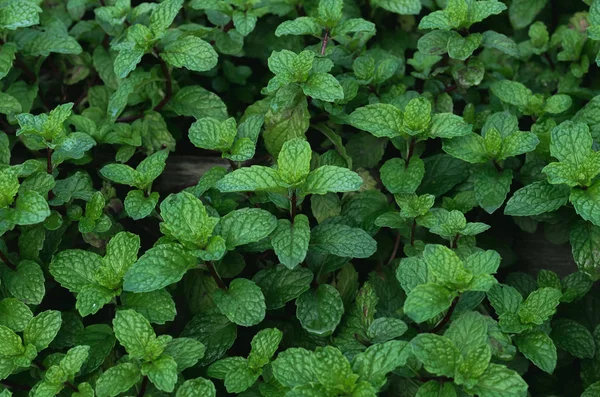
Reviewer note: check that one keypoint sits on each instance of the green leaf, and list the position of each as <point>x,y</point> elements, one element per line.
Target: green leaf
<point>250,179</point>
<point>537,198</point>
<point>14,314</point>
<point>573,337</point>
<point>436,389</point>
<point>157,306</point>
<point>402,7</point>
<point>162,372</point>
<point>26,283</point>
<point>491,188</point>
<point>74,269</point>
<point>321,310</point>
<point>122,174</point>
<point>446,266</point>
<point>448,125</point>
<point>186,219</point>
<point>295,367</point>
<point>263,346</point>
<point>557,104</point>
<point>214,331</point>
<point>512,92</point>
<point>342,240</point>
<point>197,102</point>
<point>245,226</point>
<point>290,240</point>
<point>523,12</point>
<point>42,329</point>
<point>198,387</point>
<point>163,16</point>
<point>499,381</point>
<point>381,120</point>
<point>468,332</point>
<point>437,353</point>
<point>212,134</point>
<point>12,344</point>
<point>383,329</point>
<point>586,203</point>
<point>470,148</point>
<point>281,285</point>
<point>323,86</point>
<point>240,378</point>
<point>30,208</point>
<point>539,305</point>
<point>121,253</point>
<point>402,178</point>
<point>330,178</point>
<point>592,390</point>
<point>299,26</point>
<point>293,162</point>
<point>504,299</point>
<point>160,266</point>
<point>243,302</point>
<point>7,56</point>
<point>461,48</point>
<point>378,360</point>
<point>139,205</point>
<point>539,349</point>
<point>585,246</point>
<point>427,301</point>
<point>92,298</point>
<point>190,52</point>
<point>117,380</point>
<point>19,14</point>
<point>135,333</point>
<point>244,22</point>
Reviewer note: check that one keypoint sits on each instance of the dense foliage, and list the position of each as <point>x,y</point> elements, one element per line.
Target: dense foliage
<point>365,166</point>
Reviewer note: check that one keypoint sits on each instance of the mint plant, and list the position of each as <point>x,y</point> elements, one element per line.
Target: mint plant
<point>285,198</point>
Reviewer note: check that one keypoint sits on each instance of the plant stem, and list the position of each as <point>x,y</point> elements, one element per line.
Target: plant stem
<point>293,204</point>
<point>395,250</point>
<point>497,166</point>
<point>42,367</point>
<point>7,262</point>
<point>410,152</point>
<point>11,385</point>
<point>143,387</point>
<point>163,102</point>
<point>325,40</point>
<point>49,161</point>
<point>215,275</point>
<point>412,232</point>
<point>446,318</point>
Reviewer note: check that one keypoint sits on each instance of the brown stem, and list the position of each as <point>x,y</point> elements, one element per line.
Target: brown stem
<point>497,166</point>
<point>7,261</point>
<point>454,242</point>
<point>215,275</point>
<point>446,318</point>
<point>11,385</point>
<point>547,57</point>
<point>163,102</point>
<point>411,150</point>
<point>450,88</point>
<point>169,93</point>
<point>143,387</point>
<point>412,232</point>
<point>233,164</point>
<point>49,161</point>
<point>325,40</point>
<point>228,27</point>
<point>395,250</point>
<point>293,204</point>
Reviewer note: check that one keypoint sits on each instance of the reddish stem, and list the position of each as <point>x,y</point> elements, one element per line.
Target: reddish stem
<point>395,250</point>
<point>143,387</point>
<point>162,103</point>
<point>446,318</point>
<point>7,261</point>
<point>215,275</point>
<point>412,232</point>
<point>325,40</point>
